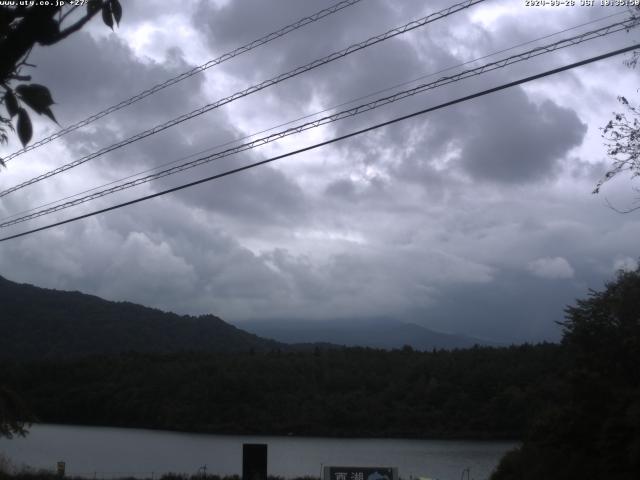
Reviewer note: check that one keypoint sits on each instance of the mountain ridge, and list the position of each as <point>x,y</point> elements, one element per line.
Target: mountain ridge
<point>382,333</point>
<point>46,323</point>
<point>41,323</point>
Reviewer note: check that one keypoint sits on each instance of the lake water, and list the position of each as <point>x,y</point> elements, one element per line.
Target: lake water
<point>111,452</point>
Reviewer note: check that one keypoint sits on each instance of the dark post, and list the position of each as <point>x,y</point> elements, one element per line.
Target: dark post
<point>254,461</point>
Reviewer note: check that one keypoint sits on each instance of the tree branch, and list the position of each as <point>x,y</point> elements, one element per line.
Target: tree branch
<point>62,17</point>
<point>22,78</point>
<point>20,40</point>
<point>76,26</point>
<point>618,210</point>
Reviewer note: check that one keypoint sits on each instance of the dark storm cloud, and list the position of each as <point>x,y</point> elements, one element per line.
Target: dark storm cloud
<point>158,255</point>
<point>515,140</point>
<point>507,310</point>
<point>343,188</point>
<point>505,138</point>
<point>87,74</point>
<point>240,22</point>
<point>511,307</point>
<point>522,142</point>
<point>117,73</point>
<point>90,74</point>
<point>334,288</point>
<point>258,197</point>
<point>370,69</point>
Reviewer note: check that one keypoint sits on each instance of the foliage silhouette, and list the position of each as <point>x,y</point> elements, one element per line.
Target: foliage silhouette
<point>622,136</point>
<point>481,392</point>
<point>593,431</point>
<point>23,26</point>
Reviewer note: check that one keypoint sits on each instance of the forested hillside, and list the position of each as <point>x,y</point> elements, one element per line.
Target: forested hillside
<point>592,429</point>
<point>475,393</point>
<point>38,323</point>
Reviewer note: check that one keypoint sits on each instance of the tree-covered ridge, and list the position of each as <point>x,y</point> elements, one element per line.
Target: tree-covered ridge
<point>593,429</point>
<point>38,323</point>
<point>473,393</point>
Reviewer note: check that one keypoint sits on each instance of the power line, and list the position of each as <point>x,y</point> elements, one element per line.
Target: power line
<point>575,40</point>
<point>338,116</point>
<point>194,71</point>
<point>304,117</point>
<point>255,88</point>
<point>333,140</point>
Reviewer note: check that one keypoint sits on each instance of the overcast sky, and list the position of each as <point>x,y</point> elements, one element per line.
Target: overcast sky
<point>477,219</point>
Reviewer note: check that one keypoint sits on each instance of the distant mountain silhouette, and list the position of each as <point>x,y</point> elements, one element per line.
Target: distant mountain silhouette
<point>374,333</point>
<point>37,323</point>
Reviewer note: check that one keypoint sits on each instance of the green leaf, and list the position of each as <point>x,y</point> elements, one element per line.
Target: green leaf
<point>36,96</point>
<point>116,8</point>
<point>25,130</point>
<point>11,103</point>
<point>106,15</point>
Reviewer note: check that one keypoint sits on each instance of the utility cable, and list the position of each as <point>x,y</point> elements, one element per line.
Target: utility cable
<point>601,32</point>
<point>255,88</point>
<point>333,140</point>
<point>304,117</point>
<point>194,71</point>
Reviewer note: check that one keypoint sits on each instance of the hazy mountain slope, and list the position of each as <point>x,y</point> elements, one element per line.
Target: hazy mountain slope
<point>375,333</point>
<point>42,323</point>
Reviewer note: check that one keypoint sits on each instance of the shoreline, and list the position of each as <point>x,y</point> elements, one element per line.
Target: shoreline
<point>364,436</point>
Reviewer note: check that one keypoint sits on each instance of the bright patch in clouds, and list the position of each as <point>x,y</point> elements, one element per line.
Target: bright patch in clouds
<point>626,264</point>
<point>548,267</point>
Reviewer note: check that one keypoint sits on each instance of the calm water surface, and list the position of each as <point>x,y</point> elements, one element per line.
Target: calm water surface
<point>110,452</point>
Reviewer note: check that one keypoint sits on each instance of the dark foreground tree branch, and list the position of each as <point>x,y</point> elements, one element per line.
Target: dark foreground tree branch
<point>15,416</point>
<point>22,28</point>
